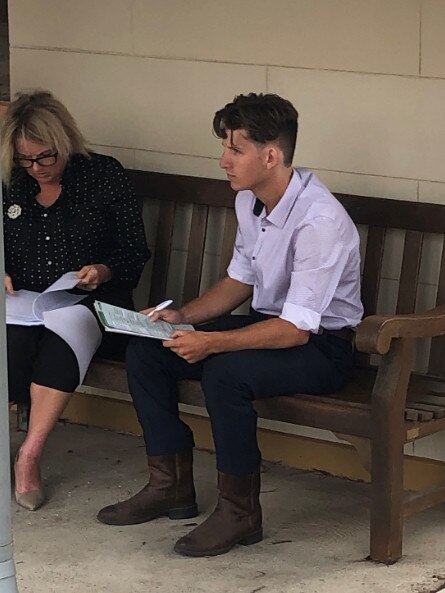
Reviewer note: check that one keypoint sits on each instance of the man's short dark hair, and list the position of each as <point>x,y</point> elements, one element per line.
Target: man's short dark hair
<point>264,117</point>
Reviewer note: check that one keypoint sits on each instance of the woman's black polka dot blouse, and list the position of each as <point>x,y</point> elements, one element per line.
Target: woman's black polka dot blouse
<point>96,220</point>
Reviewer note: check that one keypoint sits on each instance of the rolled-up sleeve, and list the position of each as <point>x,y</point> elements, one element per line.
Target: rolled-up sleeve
<point>319,261</point>
<point>239,267</point>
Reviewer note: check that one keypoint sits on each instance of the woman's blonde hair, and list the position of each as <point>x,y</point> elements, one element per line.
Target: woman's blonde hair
<point>39,117</point>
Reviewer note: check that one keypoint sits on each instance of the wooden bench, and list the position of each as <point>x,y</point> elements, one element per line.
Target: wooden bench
<point>386,405</point>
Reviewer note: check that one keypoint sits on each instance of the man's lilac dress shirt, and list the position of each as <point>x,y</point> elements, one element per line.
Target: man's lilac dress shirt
<point>302,259</point>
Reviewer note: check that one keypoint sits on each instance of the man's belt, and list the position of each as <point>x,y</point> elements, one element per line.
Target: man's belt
<point>345,334</point>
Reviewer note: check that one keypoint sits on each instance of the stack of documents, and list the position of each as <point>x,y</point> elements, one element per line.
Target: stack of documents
<point>124,321</point>
<point>26,307</point>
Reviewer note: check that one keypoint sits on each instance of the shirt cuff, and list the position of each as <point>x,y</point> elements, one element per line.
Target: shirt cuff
<point>301,317</point>
<point>245,278</point>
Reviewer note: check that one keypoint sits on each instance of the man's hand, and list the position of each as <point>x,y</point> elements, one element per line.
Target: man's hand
<point>169,315</point>
<point>8,284</point>
<point>192,346</point>
<point>92,276</point>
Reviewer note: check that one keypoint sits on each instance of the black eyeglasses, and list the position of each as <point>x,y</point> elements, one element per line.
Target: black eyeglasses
<point>44,161</point>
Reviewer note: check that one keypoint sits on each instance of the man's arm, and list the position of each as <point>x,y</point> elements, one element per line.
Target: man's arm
<point>272,333</point>
<point>223,297</point>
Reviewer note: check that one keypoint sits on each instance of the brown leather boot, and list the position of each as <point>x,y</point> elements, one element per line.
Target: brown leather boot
<point>235,520</point>
<point>170,491</point>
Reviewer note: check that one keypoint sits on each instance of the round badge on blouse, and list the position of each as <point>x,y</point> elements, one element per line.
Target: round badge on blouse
<point>14,211</point>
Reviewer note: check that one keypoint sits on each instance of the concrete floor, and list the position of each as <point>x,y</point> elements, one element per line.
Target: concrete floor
<point>316,532</point>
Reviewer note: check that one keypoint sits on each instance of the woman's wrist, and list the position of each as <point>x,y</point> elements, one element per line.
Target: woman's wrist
<point>106,273</point>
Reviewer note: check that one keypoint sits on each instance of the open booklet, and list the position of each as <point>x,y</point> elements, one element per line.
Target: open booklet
<point>124,321</point>
<point>26,307</point>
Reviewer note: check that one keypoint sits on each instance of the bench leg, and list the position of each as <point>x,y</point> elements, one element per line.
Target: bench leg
<point>387,499</point>
<point>388,438</point>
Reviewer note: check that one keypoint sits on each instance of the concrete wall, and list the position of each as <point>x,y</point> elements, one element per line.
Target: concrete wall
<point>144,77</point>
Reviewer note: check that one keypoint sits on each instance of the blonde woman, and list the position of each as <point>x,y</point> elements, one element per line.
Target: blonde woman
<point>65,209</point>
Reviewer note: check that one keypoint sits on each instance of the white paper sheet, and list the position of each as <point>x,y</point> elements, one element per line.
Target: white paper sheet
<point>26,307</point>
<point>19,308</point>
<point>79,328</point>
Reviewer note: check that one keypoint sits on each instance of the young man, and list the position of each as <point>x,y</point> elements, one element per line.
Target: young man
<point>297,255</point>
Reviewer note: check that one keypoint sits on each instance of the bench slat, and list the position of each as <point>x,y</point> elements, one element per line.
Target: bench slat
<point>183,189</point>
<point>371,277</point>
<point>431,427</point>
<point>162,252</point>
<point>320,412</point>
<point>195,252</point>
<point>437,411</point>
<point>411,415</point>
<point>426,398</point>
<point>394,214</point>
<point>437,353</point>
<point>107,375</point>
<point>371,269</point>
<point>230,226</point>
<point>409,276</point>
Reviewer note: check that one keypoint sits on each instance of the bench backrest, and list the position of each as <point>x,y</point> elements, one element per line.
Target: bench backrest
<point>399,238</point>
<point>410,236</point>
<point>402,245</point>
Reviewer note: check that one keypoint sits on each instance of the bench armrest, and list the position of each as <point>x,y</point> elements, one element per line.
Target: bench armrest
<point>375,332</point>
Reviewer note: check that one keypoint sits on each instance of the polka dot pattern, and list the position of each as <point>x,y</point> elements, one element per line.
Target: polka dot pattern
<point>95,220</point>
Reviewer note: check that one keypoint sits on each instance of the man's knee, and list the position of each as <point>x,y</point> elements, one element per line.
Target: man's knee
<point>224,381</point>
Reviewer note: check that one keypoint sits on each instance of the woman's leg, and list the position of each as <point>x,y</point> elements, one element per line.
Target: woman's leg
<point>47,405</point>
<point>22,348</point>
<point>55,376</point>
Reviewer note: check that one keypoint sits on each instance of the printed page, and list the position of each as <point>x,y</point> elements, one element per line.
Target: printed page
<point>123,321</point>
<point>56,297</point>
<point>65,282</point>
<point>26,307</point>
<point>19,308</point>
<point>80,330</point>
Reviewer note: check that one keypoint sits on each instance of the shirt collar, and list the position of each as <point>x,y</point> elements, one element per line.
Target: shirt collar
<point>280,213</point>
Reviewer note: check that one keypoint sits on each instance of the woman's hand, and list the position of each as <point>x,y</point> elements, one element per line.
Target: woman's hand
<point>92,276</point>
<point>8,284</point>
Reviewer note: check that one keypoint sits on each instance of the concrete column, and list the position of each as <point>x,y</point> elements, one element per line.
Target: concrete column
<point>8,582</point>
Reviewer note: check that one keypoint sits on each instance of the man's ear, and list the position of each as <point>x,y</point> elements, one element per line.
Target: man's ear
<point>273,156</point>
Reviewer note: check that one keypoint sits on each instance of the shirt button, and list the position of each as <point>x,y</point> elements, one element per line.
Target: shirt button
<point>45,214</point>
<point>253,257</point>
<point>264,230</point>
<point>47,238</point>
